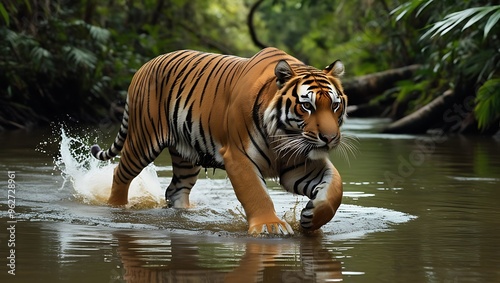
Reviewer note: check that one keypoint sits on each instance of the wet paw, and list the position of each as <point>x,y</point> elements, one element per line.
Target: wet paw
<point>179,199</point>
<point>313,216</point>
<point>273,228</point>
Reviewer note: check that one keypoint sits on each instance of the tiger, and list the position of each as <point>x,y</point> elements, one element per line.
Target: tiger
<point>269,116</point>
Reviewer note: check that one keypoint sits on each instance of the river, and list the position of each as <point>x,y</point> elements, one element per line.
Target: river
<point>415,209</point>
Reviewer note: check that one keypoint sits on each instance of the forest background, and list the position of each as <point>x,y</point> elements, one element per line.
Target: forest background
<point>425,64</point>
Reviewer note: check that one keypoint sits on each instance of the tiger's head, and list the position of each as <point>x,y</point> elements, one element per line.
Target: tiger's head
<point>307,110</point>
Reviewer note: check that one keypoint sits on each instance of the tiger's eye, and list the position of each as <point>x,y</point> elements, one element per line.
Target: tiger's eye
<point>307,106</point>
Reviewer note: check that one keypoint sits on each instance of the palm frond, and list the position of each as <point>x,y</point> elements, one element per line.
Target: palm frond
<point>475,15</point>
<point>491,22</point>
<point>479,15</point>
<point>409,7</point>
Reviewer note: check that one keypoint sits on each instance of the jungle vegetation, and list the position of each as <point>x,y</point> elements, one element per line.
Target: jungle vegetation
<point>73,60</point>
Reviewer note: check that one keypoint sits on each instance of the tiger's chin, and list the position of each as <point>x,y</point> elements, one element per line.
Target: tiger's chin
<point>317,154</point>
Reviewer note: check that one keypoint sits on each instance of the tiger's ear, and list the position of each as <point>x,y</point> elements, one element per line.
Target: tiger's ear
<point>283,73</point>
<point>335,69</point>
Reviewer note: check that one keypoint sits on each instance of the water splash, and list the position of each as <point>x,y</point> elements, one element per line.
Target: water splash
<point>91,179</point>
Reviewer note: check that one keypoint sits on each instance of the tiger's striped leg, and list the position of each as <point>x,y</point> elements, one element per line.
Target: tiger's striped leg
<point>128,168</point>
<point>321,182</point>
<point>250,190</point>
<point>185,174</point>
<point>119,189</point>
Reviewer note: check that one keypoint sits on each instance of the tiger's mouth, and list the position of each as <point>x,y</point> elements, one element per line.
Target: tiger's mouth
<point>298,143</point>
<point>321,145</point>
<point>319,151</point>
<point>323,148</point>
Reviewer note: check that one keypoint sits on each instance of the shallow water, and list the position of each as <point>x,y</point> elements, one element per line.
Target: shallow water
<point>415,209</point>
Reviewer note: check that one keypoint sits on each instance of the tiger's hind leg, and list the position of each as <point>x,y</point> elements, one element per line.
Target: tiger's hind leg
<point>129,166</point>
<point>185,174</point>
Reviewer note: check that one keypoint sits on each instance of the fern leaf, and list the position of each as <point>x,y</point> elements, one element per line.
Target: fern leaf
<point>99,34</point>
<point>81,57</point>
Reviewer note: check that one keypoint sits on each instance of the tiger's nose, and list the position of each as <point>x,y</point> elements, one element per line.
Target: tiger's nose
<point>326,138</point>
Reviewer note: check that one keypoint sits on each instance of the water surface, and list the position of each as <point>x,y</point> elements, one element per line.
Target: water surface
<point>416,209</point>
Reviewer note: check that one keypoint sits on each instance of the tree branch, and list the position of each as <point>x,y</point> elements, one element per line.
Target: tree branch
<point>251,27</point>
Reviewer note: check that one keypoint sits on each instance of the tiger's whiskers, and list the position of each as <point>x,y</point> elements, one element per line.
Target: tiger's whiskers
<point>292,145</point>
<point>348,146</point>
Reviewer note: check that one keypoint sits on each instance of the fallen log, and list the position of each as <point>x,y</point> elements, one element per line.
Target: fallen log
<point>362,89</point>
<point>422,119</point>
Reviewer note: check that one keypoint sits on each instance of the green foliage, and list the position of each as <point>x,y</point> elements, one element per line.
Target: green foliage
<point>51,73</point>
<point>488,103</point>
<point>358,32</point>
<point>74,58</point>
<point>456,53</point>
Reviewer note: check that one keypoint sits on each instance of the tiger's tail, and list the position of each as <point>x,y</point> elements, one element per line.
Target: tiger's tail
<point>117,145</point>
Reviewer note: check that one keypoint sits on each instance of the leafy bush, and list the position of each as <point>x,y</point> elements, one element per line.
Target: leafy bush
<point>54,66</point>
<point>456,53</point>
<point>76,58</point>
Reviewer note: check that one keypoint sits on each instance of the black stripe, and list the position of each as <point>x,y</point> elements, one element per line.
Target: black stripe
<point>264,55</point>
<point>298,182</point>
<point>257,116</point>
<point>279,113</point>
<point>209,76</point>
<point>308,189</point>
<point>284,171</point>
<point>260,175</point>
<point>259,149</point>
<point>178,61</point>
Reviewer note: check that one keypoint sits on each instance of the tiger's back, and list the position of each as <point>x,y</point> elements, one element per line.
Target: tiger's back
<point>185,97</point>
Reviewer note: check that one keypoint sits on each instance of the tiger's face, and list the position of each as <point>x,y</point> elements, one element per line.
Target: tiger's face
<point>310,108</point>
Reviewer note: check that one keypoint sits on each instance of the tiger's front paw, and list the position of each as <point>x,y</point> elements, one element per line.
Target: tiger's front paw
<point>315,215</point>
<point>276,227</point>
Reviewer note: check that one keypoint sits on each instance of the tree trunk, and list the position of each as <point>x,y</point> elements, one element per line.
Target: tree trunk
<point>421,120</point>
<point>157,12</point>
<point>89,11</point>
<point>361,89</point>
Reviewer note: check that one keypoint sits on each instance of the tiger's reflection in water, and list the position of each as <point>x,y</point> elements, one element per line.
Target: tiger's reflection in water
<point>199,259</point>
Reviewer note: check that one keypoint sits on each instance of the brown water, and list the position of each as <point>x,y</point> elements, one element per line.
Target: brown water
<point>416,209</point>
